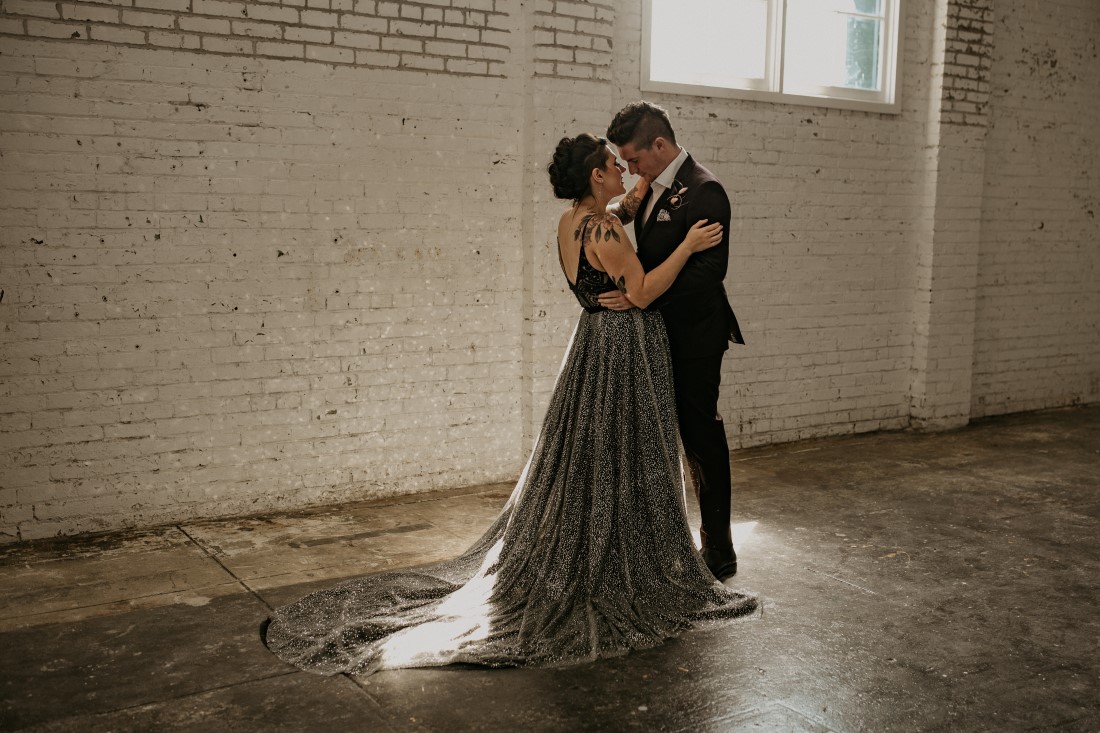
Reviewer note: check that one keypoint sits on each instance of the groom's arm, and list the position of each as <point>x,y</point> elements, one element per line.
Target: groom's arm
<point>707,268</point>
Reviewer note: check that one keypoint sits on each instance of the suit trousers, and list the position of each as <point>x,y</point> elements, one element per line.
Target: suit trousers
<point>696,381</point>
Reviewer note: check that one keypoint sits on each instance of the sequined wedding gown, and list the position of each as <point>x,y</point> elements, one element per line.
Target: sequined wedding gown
<point>590,557</point>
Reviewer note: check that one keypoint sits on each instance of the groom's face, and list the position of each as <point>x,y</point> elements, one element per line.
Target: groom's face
<point>646,162</point>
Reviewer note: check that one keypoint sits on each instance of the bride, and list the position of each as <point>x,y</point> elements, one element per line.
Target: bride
<point>591,555</point>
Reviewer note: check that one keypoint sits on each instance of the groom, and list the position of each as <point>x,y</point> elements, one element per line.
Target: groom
<point>697,314</point>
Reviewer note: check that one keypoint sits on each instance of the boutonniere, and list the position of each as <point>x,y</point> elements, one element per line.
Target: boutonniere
<point>677,199</point>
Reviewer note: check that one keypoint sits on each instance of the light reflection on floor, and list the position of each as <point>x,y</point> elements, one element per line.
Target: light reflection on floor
<point>741,533</point>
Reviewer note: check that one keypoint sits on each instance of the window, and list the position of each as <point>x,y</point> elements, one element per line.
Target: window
<point>834,53</point>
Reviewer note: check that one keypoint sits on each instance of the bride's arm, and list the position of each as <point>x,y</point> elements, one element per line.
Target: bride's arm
<point>626,208</point>
<point>616,255</point>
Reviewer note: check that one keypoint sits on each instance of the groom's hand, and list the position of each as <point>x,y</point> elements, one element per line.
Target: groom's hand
<point>614,300</point>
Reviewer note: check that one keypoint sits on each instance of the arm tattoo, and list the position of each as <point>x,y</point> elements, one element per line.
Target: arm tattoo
<point>621,285</point>
<point>628,207</point>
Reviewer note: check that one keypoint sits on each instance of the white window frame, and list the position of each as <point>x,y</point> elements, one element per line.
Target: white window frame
<point>770,89</point>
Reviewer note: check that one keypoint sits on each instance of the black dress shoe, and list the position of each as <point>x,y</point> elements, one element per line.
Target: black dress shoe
<point>722,562</point>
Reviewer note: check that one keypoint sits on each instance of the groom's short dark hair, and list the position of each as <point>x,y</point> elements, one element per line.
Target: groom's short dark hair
<point>640,123</point>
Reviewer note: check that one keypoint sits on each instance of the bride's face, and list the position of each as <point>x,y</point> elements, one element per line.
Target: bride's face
<point>613,176</point>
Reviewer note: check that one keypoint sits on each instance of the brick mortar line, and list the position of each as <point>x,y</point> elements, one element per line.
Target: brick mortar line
<point>581,48</point>
<point>177,15</point>
<point>303,59</point>
<point>262,39</point>
<point>585,3</point>
<point>552,29</point>
<point>275,24</point>
<point>299,9</point>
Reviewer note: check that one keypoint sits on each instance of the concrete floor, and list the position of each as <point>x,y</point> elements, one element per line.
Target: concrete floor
<point>909,582</point>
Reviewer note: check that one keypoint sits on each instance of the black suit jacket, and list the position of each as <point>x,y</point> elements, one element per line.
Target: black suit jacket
<point>697,313</point>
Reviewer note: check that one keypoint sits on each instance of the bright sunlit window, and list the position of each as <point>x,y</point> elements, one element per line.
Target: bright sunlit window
<point>833,53</point>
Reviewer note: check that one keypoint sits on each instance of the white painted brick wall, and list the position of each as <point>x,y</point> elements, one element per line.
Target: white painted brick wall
<point>234,282</point>
<point>1037,341</point>
<point>237,283</point>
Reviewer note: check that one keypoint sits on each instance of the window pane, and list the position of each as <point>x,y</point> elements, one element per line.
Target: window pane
<point>862,55</point>
<point>826,53</point>
<point>827,47</point>
<point>708,42</point>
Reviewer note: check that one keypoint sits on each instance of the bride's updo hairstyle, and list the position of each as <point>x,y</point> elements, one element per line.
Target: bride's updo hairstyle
<point>574,160</point>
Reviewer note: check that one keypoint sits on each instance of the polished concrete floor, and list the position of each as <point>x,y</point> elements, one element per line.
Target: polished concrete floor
<point>940,582</point>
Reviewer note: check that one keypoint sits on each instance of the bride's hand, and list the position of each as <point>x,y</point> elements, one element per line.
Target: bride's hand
<point>641,186</point>
<point>703,236</point>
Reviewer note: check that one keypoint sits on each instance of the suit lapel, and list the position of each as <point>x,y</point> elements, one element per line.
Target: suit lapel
<point>681,173</point>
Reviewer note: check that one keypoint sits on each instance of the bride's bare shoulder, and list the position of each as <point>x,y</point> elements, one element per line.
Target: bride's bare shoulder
<point>566,224</point>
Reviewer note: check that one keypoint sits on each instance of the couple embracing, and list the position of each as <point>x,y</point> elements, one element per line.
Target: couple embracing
<point>591,556</point>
